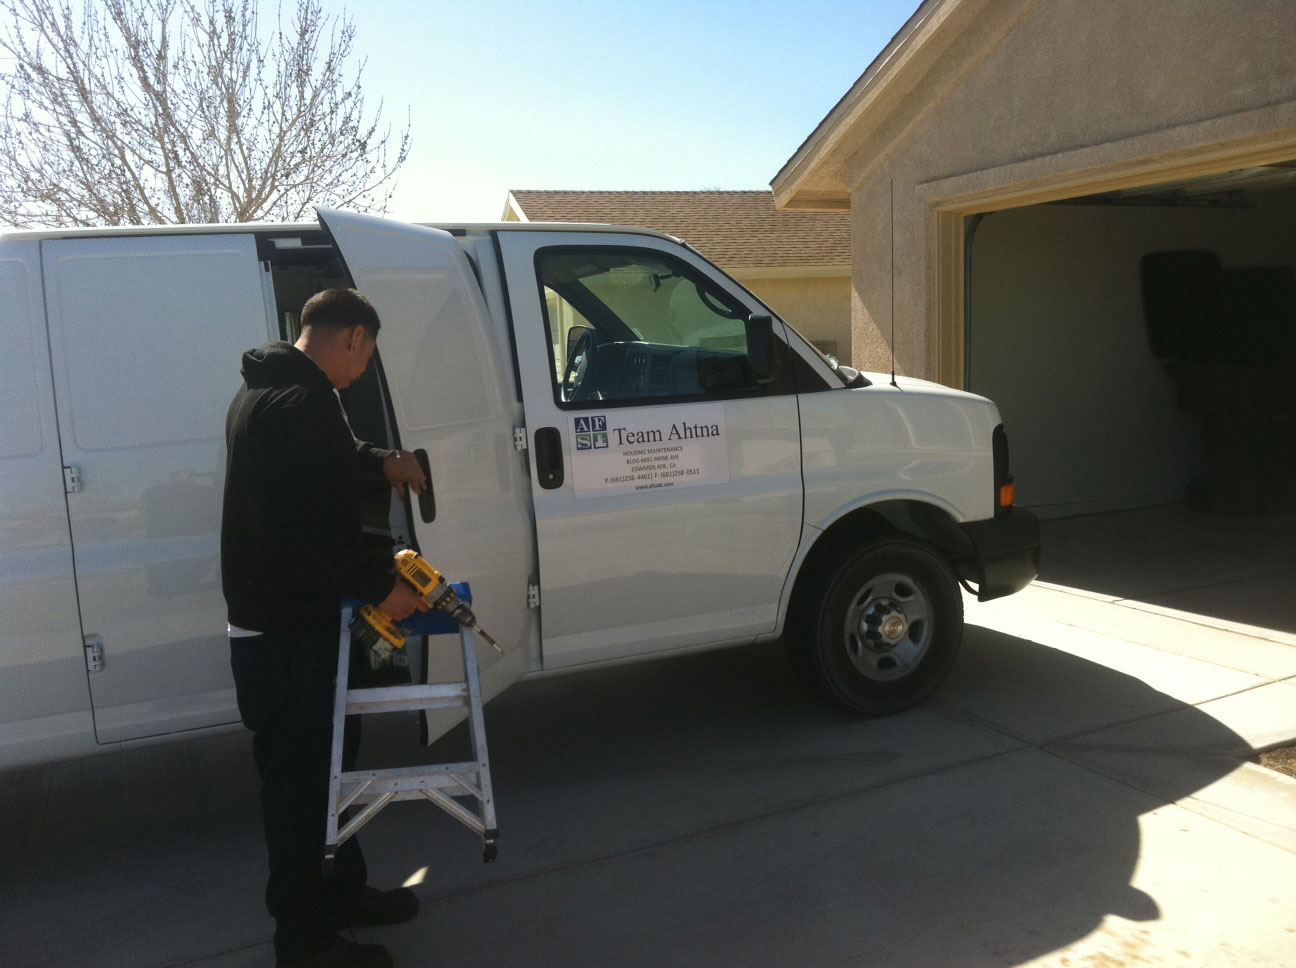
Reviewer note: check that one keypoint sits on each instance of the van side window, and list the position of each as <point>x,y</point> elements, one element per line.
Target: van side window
<point>151,305</point>
<point>638,325</point>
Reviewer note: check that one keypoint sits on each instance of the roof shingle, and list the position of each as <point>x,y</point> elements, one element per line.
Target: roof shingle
<point>737,229</point>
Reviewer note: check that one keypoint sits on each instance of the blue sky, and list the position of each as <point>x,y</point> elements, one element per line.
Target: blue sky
<point>504,94</point>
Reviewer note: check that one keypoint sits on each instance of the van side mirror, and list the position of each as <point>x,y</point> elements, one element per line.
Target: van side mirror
<point>762,348</point>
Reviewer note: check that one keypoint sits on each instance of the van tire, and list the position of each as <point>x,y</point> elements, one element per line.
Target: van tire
<point>882,630</point>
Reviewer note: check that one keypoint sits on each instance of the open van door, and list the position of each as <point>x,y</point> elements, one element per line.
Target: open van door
<point>452,400</point>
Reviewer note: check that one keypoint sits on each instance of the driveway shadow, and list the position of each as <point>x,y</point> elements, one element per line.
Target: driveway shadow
<point>1239,569</point>
<point>149,856</point>
<point>706,811</point>
<point>702,810</point>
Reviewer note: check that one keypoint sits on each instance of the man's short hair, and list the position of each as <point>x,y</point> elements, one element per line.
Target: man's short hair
<point>340,309</point>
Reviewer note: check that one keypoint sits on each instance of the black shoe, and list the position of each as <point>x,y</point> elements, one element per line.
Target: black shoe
<point>372,906</point>
<point>342,953</point>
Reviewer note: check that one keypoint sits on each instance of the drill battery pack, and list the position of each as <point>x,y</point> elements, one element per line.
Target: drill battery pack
<point>376,631</point>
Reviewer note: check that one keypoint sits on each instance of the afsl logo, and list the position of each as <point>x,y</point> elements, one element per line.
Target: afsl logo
<point>591,433</point>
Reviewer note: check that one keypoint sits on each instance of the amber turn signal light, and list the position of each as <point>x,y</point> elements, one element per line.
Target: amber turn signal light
<point>1007,493</point>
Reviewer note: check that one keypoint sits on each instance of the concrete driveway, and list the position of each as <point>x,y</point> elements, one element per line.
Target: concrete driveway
<point>1077,794</point>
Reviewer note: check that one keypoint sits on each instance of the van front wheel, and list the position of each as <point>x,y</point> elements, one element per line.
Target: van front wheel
<point>883,630</point>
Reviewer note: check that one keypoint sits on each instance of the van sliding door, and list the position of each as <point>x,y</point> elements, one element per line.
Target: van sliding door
<point>146,334</point>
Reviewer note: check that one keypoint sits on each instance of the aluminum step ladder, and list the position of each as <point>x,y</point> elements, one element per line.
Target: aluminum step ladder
<point>441,783</point>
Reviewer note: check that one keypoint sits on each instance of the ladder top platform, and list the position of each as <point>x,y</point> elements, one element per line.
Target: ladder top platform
<point>432,622</point>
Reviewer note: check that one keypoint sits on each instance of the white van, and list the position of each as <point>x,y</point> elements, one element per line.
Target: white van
<point>629,456</point>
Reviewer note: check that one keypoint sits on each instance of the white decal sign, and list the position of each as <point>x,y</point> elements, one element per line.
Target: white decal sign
<point>647,449</point>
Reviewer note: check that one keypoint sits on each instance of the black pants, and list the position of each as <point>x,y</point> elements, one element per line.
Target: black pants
<point>285,696</point>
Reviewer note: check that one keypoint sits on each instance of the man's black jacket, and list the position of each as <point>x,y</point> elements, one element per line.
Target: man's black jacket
<point>290,532</point>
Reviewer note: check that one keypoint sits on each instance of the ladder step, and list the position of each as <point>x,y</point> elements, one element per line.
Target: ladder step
<point>410,777</point>
<point>393,699</point>
<point>369,791</point>
<point>396,796</point>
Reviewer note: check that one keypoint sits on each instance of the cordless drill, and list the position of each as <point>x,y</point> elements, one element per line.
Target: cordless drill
<point>376,629</point>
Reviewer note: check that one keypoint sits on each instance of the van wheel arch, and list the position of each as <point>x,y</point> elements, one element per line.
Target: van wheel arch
<point>903,538</point>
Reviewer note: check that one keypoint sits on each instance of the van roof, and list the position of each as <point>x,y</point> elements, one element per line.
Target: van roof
<point>455,228</point>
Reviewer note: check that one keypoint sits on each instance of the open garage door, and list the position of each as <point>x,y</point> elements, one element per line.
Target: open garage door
<point>1107,414</point>
<point>1163,458</point>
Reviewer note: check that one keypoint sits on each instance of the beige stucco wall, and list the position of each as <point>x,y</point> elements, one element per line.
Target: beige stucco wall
<point>1038,95</point>
<point>818,308</point>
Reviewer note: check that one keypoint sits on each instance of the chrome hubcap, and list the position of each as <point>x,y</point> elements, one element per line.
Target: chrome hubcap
<point>888,627</point>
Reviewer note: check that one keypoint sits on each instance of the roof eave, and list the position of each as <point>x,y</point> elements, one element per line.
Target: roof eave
<point>813,178</point>
<point>511,204</point>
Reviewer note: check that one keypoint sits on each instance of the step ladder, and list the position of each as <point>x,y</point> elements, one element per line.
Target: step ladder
<point>441,783</point>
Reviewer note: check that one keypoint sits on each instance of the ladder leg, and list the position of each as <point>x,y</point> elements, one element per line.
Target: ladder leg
<point>339,728</point>
<point>477,735</point>
<point>371,790</point>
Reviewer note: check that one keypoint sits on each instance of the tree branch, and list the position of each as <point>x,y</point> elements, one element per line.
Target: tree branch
<point>183,110</point>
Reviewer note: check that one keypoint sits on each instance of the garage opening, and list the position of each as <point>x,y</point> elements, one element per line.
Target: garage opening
<point>1141,345</point>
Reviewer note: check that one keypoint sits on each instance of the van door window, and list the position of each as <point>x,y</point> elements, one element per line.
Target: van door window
<point>635,325</point>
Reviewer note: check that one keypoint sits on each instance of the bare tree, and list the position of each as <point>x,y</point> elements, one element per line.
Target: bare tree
<point>163,111</point>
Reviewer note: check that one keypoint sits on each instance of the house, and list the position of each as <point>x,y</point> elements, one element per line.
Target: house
<point>1086,211</point>
<point>798,263</point>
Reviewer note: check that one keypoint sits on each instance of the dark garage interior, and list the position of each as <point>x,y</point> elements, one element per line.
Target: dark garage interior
<point>1141,346</point>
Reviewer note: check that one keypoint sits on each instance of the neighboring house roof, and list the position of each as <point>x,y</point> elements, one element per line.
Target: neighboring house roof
<point>736,229</point>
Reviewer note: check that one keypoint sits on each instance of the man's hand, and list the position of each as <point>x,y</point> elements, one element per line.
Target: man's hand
<point>403,601</point>
<point>402,470</point>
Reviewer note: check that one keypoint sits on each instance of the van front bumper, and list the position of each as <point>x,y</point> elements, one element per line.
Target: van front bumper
<point>1005,552</point>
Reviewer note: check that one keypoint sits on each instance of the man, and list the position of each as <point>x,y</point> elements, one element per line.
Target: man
<point>290,550</point>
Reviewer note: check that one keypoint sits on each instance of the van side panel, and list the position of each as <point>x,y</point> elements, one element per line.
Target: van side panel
<point>44,700</point>
<point>146,335</point>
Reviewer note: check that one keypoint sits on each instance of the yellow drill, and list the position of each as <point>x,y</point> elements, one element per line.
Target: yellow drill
<point>375,627</point>
<point>438,592</point>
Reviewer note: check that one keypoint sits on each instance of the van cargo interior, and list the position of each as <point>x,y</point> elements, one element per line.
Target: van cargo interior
<point>304,263</point>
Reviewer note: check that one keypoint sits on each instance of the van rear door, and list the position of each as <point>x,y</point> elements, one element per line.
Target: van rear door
<point>44,706</point>
<point>452,399</point>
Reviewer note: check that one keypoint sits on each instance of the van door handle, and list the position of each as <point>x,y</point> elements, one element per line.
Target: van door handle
<point>548,457</point>
<point>427,497</point>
